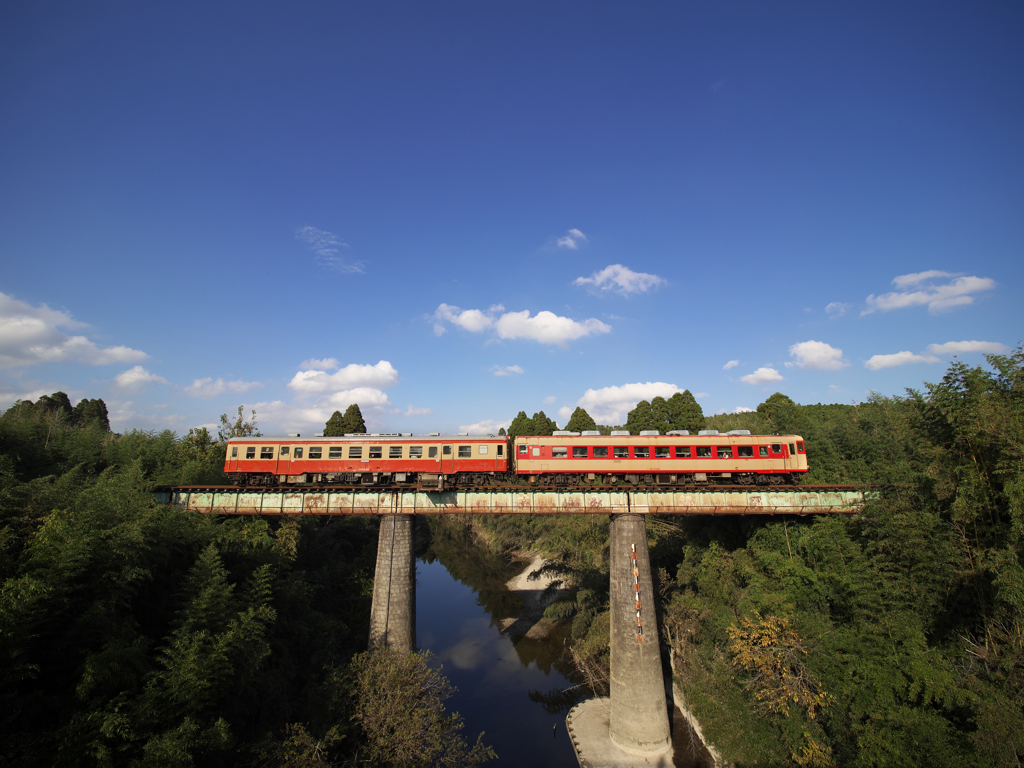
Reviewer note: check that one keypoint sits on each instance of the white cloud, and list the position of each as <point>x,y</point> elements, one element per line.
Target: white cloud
<point>209,388</point>
<point>305,416</point>
<point>505,370</point>
<point>137,378</point>
<point>566,412</point>
<point>959,347</point>
<point>326,247</point>
<point>486,427</point>
<point>327,364</point>
<point>877,362</point>
<point>609,405</point>
<point>916,278</point>
<point>546,327</point>
<point>836,309</point>
<point>816,356</point>
<point>29,336</point>
<point>741,409</point>
<point>571,240</point>
<point>549,399</point>
<point>766,375</point>
<point>379,376</point>
<point>937,297</point>
<point>730,364</point>
<point>699,395</point>
<point>414,411</point>
<point>620,279</point>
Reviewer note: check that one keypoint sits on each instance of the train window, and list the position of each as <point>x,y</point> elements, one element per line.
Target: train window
<point>661,452</point>
<point>559,452</point>
<point>621,452</point>
<point>395,452</point>
<point>284,450</point>
<point>579,452</point>
<point>746,451</point>
<point>522,450</point>
<point>432,453</point>
<point>447,450</point>
<point>267,452</point>
<point>465,451</point>
<point>776,447</point>
<point>483,449</point>
<point>315,452</point>
<point>415,451</point>
<point>682,451</point>
<point>250,452</point>
<point>800,447</point>
<point>376,452</point>
<point>600,453</point>
<point>792,449</point>
<point>354,452</point>
<point>298,453</point>
<point>762,450</point>
<point>642,452</point>
<point>703,451</point>
<point>334,452</point>
<point>234,452</point>
<point>725,451</point>
<point>501,450</point>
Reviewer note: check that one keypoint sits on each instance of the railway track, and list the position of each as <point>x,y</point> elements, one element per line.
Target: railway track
<point>512,488</point>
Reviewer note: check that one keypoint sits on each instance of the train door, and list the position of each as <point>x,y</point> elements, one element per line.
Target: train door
<point>448,459</point>
<point>232,457</point>
<point>284,460</point>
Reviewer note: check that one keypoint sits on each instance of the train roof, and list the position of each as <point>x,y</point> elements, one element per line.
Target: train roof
<point>383,438</point>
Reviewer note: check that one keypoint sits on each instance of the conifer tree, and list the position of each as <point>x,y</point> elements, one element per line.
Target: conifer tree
<point>685,412</point>
<point>521,425</point>
<point>352,422</point>
<point>580,421</point>
<point>333,427</point>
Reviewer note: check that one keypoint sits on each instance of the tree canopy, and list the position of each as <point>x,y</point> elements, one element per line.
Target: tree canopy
<point>352,422</point>
<point>580,421</point>
<point>333,427</point>
<point>681,411</point>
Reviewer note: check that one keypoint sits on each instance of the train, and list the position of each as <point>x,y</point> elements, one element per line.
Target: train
<point>439,462</point>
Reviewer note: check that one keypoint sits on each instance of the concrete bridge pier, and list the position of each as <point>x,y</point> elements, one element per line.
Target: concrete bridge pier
<point>638,718</point>
<point>393,612</point>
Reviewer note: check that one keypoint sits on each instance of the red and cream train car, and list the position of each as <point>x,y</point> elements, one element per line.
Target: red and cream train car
<point>675,458</point>
<point>434,461</point>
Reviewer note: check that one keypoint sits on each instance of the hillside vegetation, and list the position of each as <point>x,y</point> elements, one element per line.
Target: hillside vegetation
<point>891,638</point>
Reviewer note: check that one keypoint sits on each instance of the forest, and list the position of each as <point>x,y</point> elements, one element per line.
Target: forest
<point>132,634</point>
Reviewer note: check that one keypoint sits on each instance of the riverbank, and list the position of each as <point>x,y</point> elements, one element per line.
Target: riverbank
<point>537,589</point>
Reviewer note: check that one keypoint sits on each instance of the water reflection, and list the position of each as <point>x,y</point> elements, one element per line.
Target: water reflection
<point>509,686</point>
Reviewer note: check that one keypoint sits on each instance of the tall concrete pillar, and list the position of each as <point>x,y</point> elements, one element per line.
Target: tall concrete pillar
<point>638,718</point>
<point>393,613</point>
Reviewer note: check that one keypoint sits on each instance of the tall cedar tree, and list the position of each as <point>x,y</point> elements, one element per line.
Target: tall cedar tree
<point>521,425</point>
<point>685,412</point>
<point>542,424</point>
<point>333,427</point>
<point>352,422</point>
<point>580,421</point>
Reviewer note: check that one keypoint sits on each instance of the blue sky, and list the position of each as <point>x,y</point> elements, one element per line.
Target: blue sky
<point>450,212</point>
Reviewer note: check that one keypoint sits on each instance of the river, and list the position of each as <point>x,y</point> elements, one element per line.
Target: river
<point>509,687</point>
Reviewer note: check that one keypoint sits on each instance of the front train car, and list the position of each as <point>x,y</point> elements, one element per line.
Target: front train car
<point>677,458</point>
<point>425,461</point>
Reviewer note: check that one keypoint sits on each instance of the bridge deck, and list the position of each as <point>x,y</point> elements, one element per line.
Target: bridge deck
<point>326,501</point>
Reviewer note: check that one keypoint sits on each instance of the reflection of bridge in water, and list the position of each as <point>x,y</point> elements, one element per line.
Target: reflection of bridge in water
<point>634,720</point>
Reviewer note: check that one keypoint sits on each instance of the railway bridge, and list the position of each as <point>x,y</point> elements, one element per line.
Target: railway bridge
<point>632,726</point>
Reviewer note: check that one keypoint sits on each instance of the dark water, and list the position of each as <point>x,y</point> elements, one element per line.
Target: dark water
<point>510,688</point>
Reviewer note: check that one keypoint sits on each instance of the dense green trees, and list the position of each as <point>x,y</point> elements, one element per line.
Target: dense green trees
<point>540,424</point>
<point>132,634</point>
<point>681,411</point>
<point>352,422</point>
<point>580,421</point>
<point>333,426</point>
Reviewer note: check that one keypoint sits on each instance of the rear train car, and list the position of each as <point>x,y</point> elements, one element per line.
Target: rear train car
<point>677,458</point>
<point>426,461</point>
